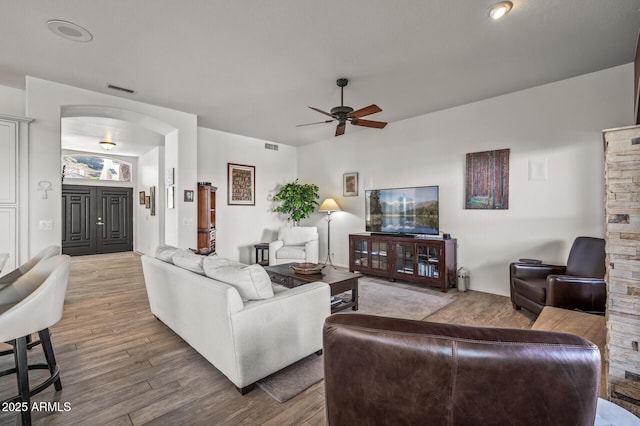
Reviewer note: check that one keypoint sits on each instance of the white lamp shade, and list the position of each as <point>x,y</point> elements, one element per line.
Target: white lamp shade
<point>329,205</point>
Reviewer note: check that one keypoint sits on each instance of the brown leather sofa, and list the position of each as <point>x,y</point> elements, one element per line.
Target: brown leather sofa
<point>579,285</point>
<point>389,371</point>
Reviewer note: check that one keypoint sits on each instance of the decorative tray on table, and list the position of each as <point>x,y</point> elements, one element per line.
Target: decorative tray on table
<point>307,268</point>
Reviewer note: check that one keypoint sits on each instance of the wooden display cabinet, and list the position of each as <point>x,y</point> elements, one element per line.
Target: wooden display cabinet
<point>369,256</point>
<point>423,260</point>
<point>206,218</point>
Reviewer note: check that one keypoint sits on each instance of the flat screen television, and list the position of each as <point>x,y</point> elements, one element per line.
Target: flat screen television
<point>402,210</point>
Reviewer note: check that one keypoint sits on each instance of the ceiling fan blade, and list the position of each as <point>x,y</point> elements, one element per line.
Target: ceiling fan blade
<point>369,123</point>
<point>371,109</point>
<point>322,112</point>
<point>317,122</point>
<point>340,129</point>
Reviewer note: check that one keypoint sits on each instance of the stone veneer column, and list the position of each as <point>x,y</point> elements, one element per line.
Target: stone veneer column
<point>622,184</point>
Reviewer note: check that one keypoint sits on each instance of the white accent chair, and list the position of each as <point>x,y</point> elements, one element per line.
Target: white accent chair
<point>32,304</point>
<point>43,254</point>
<point>295,244</point>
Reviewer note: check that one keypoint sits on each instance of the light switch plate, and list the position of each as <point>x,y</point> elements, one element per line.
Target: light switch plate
<point>46,225</point>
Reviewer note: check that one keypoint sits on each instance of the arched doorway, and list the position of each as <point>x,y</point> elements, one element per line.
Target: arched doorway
<point>99,205</point>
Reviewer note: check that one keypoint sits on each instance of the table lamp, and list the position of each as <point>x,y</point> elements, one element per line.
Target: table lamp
<point>329,205</point>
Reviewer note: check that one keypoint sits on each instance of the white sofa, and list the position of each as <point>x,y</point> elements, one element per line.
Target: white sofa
<point>295,244</point>
<point>245,340</point>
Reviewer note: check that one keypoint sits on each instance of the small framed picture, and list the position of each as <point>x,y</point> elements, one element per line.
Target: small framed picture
<point>188,195</point>
<point>170,200</point>
<point>141,198</point>
<point>152,194</point>
<point>350,184</point>
<point>170,176</point>
<point>147,202</point>
<point>241,181</point>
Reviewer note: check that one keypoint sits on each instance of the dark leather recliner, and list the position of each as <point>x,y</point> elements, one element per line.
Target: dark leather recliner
<point>389,371</point>
<point>579,285</point>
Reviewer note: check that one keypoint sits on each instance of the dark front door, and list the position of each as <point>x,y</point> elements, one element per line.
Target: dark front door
<point>96,219</point>
<point>78,220</point>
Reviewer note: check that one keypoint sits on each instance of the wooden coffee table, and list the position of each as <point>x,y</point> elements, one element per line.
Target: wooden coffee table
<point>339,281</point>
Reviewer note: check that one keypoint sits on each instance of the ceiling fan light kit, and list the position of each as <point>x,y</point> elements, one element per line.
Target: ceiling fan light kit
<point>343,114</point>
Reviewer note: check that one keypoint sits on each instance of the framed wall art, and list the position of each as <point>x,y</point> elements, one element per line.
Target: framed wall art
<point>487,185</point>
<point>241,182</point>
<point>147,202</point>
<point>141,196</point>
<point>152,194</point>
<point>350,184</point>
<point>188,195</point>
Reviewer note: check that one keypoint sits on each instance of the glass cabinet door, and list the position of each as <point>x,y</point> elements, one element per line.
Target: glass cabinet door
<point>404,258</point>
<point>379,255</point>
<point>360,253</point>
<point>428,261</point>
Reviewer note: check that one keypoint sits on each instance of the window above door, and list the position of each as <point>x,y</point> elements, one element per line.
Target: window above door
<point>95,167</point>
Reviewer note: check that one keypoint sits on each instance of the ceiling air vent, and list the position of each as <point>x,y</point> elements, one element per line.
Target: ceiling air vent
<point>121,89</point>
<point>271,146</point>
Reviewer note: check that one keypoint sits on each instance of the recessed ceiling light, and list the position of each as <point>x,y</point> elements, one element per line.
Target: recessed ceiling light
<point>500,9</point>
<point>69,30</point>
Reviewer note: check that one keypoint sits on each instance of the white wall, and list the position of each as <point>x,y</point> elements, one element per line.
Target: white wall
<point>12,101</point>
<point>561,122</point>
<point>172,216</point>
<point>147,228</point>
<point>44,101</point>
<point>240,227</point>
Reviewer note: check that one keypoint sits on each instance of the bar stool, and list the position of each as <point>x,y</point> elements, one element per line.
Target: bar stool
<point>32,304</point>
<point>43,254</point>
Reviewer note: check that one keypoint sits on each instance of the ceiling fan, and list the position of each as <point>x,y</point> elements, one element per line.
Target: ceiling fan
<point>343,114</point>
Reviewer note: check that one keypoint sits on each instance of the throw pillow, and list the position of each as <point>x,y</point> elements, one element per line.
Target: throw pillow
<point>165,253</point>
<point>251,281</point>
<point>216,261</point>
<point>188,260</point>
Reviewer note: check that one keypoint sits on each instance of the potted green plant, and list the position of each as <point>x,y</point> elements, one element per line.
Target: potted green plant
<point>297,200</point>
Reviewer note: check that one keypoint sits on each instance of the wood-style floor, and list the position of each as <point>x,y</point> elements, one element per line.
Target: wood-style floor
<point>120,366</point>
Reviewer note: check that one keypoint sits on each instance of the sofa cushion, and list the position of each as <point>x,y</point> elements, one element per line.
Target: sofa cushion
<point>291,252</point>
<point>251,281</point>
<point>298,235</point>
<point>188,260</point>
<point>165,253</point>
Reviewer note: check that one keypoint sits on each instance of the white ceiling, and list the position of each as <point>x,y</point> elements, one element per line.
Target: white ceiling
<point>253,67</point>
<point>85,134</point>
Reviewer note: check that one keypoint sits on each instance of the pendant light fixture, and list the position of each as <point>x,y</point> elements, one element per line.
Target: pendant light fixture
<point>107,144</point>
